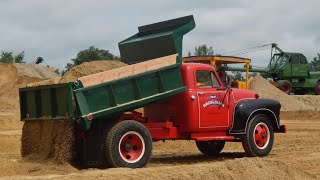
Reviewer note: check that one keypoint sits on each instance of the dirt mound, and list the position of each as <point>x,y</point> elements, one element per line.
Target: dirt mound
<point>35,70</point>
<point>311,100</point>
<point>12,77</point>
<point>88,68</point>
<point>81,70</point>
<point>266,90</point>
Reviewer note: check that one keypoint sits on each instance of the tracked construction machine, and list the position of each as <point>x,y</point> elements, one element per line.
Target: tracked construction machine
<point>181,101</point>
<point>289,71</point>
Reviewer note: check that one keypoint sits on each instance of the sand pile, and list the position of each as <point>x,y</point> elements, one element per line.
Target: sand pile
<point>35,70</point>
<point>311,100</point>
<point>83,69</point>
<point>52,139</point>
<point>13,76</point>
<point>88,68</point>
<point>267,90</point>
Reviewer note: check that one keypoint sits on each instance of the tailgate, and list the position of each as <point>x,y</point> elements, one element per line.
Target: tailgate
<point>46,102</point>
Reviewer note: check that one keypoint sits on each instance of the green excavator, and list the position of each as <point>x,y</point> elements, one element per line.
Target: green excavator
<point>290,72</point>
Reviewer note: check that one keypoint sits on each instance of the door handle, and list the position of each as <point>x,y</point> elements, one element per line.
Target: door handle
<point>200,93</point>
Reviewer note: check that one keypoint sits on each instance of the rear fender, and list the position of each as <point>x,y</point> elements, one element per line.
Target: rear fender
<point>245,110</point>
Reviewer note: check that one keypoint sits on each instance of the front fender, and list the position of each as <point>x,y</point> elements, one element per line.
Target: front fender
<point>244,110</point>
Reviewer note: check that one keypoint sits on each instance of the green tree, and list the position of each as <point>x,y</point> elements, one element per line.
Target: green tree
<point>315,64</point>
<point>203,50</point>
<point>8,57</point>
<point>90,54</point>
<point>19,58</point>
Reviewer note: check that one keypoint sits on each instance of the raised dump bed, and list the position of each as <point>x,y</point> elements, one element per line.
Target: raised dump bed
<point>154,74</point>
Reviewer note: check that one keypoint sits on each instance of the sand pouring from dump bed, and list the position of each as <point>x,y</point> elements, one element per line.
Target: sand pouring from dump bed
<point>45,139</point>
<point>52,139</point>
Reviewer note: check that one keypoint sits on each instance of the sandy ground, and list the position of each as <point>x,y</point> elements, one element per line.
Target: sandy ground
<point>295,155</point>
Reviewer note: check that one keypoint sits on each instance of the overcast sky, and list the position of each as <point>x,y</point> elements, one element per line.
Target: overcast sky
<point>57,30</point>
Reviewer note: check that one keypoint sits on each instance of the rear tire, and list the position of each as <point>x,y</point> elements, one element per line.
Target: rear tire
<point>128,144</point>
<point>259,137</point>
<point>285,86</point>
<point>317,88</point>
<point>210,148</point>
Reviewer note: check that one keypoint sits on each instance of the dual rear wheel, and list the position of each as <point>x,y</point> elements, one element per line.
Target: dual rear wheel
<point>128,144</point>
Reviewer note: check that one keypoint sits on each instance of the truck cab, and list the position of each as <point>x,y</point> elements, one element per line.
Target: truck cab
<point>208,110</point>
<point>211,114</point>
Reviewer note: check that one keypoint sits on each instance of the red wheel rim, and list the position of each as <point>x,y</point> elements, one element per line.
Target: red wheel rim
<point>261,135</point>
<point>131,147</point>
<point>318,88</point>
<point>286,88</point>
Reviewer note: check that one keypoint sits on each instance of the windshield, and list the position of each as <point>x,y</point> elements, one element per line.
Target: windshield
<point>278,61</point>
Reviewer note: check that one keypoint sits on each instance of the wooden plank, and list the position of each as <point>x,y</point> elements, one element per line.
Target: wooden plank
<point>126,71</point>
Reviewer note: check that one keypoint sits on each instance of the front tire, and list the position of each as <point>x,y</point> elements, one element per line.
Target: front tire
<point>259,137</point>
<point>128,144</point>
<point>210,148</point>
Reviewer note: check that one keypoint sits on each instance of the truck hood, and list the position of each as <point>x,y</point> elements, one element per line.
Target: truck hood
<point>242,94</point>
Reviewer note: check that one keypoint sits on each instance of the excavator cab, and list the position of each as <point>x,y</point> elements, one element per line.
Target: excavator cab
<point>287,65</point>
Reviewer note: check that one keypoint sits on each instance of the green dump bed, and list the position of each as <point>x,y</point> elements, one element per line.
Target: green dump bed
<point>46,102</point>
<point>74,101</point>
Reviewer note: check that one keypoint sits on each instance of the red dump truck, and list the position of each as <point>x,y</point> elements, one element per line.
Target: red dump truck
<point>181,101</point>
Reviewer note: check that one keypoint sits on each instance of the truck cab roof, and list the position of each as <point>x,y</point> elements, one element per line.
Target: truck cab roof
<point>196,65</point>
<point>189,75</point>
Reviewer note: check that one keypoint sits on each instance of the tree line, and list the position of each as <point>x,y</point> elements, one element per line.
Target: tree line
<point>9,57</point>
<point>315,63</point>
<point>93,54</point>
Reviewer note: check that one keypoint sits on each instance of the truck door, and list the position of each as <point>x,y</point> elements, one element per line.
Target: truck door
<point>212,100</point>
